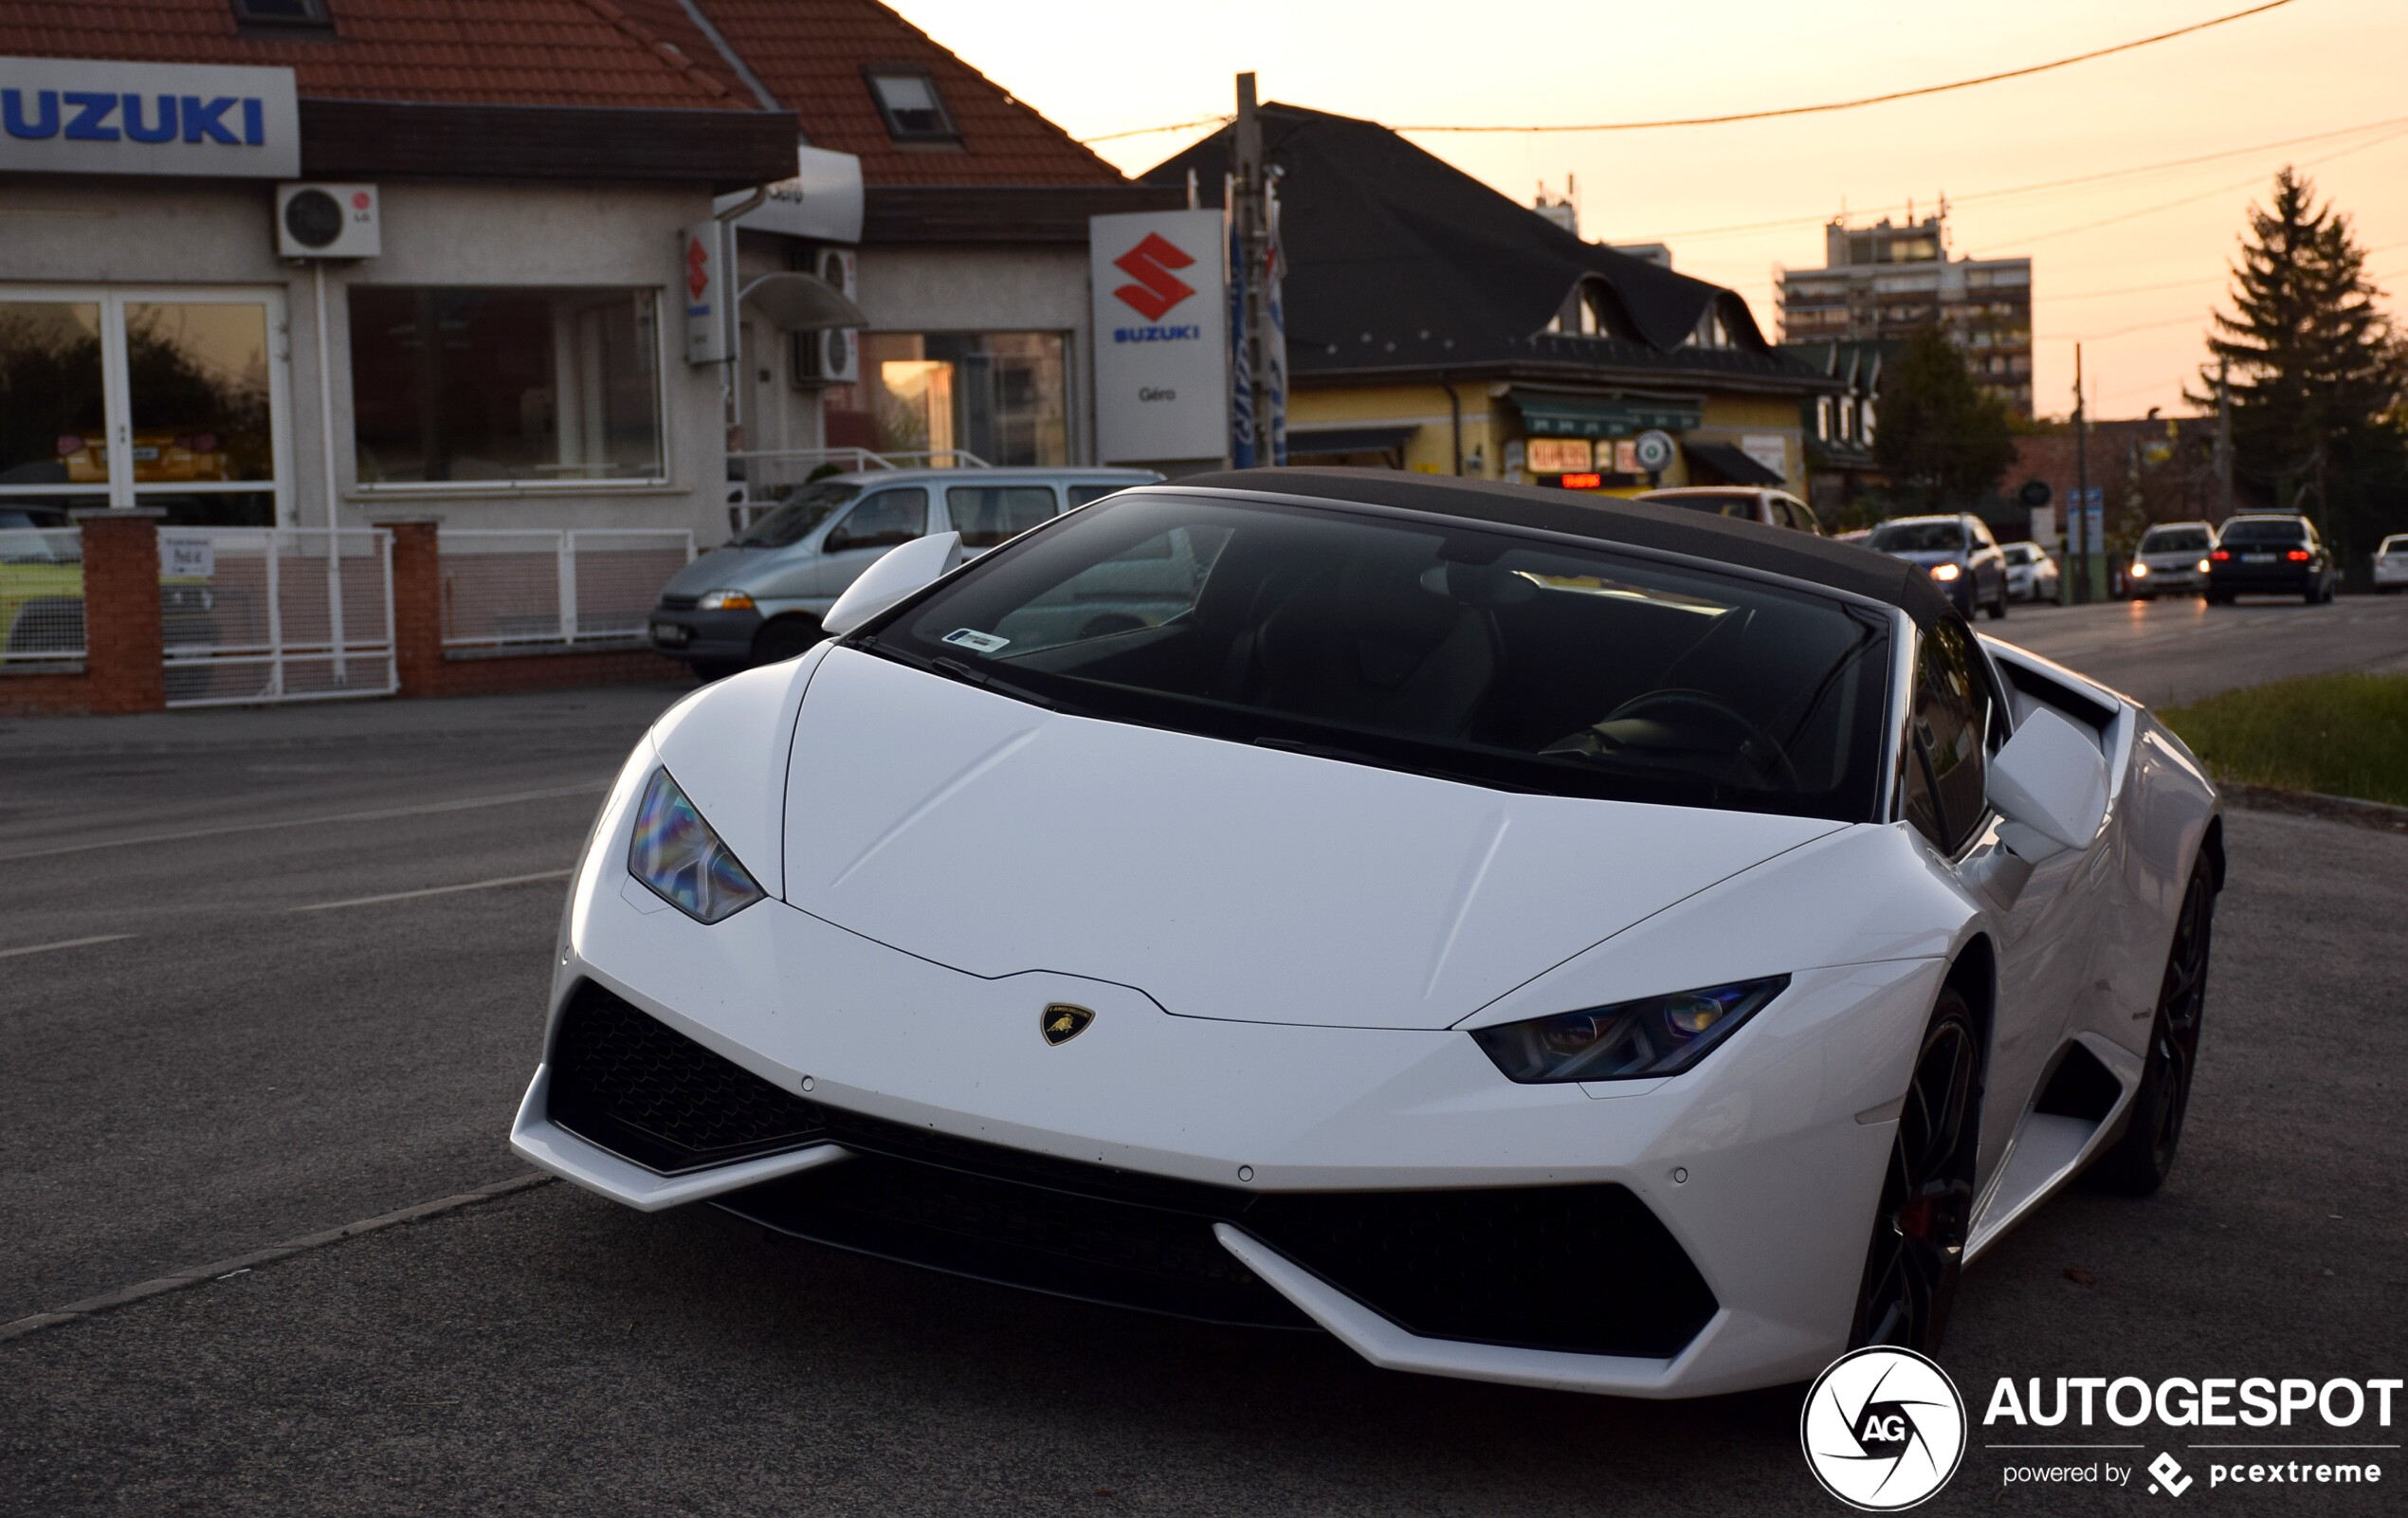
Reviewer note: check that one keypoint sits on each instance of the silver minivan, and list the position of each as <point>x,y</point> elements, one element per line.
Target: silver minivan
<point>760,597</point>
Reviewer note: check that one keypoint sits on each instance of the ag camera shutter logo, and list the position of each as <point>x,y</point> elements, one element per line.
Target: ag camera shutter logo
<point>1883,1429</point>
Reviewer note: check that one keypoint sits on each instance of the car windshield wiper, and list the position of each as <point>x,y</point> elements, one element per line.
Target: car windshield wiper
<point>952,668</point>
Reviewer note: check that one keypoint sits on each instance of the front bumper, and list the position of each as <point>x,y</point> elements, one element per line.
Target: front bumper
<point>708,636</point>
<point>1676,1237</point>
<point>2165,581</point>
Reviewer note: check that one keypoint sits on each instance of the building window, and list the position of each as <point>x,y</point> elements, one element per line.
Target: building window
<point>462,384</point>
<point>282,12</point>
<point>907,99</point>
<point>1003,396</point>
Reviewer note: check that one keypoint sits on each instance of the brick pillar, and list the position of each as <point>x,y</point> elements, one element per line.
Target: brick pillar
<point>123,646</point>
<point>417,606</point>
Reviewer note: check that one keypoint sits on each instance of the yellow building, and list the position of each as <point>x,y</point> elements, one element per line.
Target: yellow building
<point>1435,324</point>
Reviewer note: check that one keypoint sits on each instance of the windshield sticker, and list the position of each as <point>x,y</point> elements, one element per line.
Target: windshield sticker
<point>976,641</point>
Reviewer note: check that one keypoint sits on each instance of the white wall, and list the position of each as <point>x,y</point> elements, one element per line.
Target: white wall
<point>972,288</point>
<point>167,232</point>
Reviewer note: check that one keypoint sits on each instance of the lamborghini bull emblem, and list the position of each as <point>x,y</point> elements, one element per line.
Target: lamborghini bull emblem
<point>1063,1022</point>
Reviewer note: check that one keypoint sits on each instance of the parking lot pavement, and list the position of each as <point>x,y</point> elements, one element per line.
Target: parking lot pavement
<point>549,1352</point>
<point>2180,650</point>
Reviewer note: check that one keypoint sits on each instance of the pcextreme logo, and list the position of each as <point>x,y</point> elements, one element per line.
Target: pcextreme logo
<point>1883,1429</point>
<point>1156,289</point>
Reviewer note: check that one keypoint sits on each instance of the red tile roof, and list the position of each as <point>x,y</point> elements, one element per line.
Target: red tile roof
<point>500,52</point>
<point>811,54</point>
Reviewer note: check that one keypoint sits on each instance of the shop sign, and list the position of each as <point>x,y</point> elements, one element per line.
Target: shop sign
<point>96,116</point>
<point>1560,455</point>
<point>1162,336</point>
<point>703,283</point>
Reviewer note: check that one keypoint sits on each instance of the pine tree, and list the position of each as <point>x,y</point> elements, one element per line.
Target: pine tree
<point>2317,376</point>
<point>1942,440</point>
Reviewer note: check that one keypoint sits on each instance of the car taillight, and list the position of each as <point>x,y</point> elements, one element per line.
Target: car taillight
<point>2297,556</point>
<point>2219,555</point>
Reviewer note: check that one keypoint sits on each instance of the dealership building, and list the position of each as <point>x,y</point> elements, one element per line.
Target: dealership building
<point>522,265</point>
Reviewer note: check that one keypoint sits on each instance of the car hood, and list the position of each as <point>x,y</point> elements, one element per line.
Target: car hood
<point>1222,880</point>
<point>1929,558</point>
<point>720,568</point>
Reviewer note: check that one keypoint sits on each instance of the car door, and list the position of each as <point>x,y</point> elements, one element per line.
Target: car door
<point>1960,716</point>
<point>878,520</point>
<point>1988,562</point>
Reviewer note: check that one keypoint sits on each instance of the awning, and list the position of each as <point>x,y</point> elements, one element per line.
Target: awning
<point>1733,466</point>
<point>1545,414</point>
<point>795,301</point>
<point>1322,440</point>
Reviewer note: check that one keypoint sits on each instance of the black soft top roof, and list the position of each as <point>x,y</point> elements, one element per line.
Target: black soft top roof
<point>1612,520</point>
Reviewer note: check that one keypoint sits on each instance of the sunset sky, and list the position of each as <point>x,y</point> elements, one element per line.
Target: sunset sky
<point>2130,265</point>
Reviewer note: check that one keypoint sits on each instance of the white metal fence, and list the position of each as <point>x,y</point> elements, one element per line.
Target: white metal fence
<point>763,478</point>
<point>41,597</point>
<point>276,614</point>
<point>509,588</point>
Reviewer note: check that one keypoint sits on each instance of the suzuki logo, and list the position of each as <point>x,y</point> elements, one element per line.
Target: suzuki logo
<point>698,269</point>
<point>1157,288</point>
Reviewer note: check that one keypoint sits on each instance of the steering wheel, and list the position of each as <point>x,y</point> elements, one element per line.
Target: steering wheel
<point>1758,747</point>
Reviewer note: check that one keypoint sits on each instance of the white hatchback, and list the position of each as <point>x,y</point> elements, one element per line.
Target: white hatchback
<point>2391,564</point>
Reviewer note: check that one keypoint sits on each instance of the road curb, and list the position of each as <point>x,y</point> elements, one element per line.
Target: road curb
<point>220,1270</point>
<point>2375,814</point>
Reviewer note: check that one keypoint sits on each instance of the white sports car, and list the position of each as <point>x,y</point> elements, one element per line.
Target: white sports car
<point>1585,944</point>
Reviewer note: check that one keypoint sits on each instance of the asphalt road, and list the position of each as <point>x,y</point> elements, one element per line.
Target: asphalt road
<point>255,1061</point>
<point>2180,650</point>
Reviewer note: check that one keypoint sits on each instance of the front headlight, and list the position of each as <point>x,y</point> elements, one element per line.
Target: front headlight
<point>1946,571</point>
<point>1630,1040</point>
<point>723,601</point>
<point>2140,571</point>
<point>2202,566</point>
<point>676,853</point>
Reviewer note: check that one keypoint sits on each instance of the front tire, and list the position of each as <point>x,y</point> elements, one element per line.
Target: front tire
<point>784,638</point>
<point>1925,1212</point>
<point>2143,1157</point>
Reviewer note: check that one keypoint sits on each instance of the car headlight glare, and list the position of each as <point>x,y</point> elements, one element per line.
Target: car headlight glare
<point>723,601</point>
<point>1629,1041</point>
<point>676,853</point>
<point>2140,571</point>
<point>1946,571</point>
<point>2202,566</point>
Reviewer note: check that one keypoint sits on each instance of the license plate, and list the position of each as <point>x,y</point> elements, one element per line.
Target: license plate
<point>2257,559</point>
<point>671,634</point>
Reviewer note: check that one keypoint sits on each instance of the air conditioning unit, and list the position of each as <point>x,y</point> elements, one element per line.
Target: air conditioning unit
<point>327,221</point>
<point>835,267</point>
<point>826,358</point>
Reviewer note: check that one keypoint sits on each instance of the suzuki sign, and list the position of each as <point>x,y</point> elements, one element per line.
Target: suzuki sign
<point>88,115</point>
<point>1161,337</point>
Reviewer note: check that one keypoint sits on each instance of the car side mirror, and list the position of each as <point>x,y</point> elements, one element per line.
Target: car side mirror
<point>892,576</point>
<point>2051,782</point>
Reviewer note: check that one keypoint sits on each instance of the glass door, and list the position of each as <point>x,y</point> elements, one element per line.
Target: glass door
<point>168,398</point>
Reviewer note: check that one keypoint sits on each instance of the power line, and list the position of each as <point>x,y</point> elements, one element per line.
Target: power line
<point>1787,110</point>
<point>1877,100</point>
<point>2181,285</point>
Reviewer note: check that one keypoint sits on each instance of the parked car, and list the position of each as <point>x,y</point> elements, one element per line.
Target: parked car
<point>1776,509</point>
<point>1964,560</point>
<point>759,598</point>
<point>1778,943</point>
<point>2391,564</point>
<point>2032,574</point>
<point>2270,554</point>
<point>2171,559</point>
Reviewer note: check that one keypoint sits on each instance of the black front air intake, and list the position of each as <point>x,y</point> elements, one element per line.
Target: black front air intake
<point>624,1080</point>
<point>1586,1268</point>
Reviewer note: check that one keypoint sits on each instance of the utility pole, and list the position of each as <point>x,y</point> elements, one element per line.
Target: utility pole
<point>2224,437</point>
<point>1252,220</point>
<point>2079,517</point>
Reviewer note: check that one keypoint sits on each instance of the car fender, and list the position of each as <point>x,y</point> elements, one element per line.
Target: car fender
<point>727,745</point>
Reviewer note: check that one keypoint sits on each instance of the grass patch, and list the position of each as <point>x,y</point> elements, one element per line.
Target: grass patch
<point>2341,735</point>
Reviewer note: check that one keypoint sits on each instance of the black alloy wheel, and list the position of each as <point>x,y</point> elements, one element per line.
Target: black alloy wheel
<point>2143,1157</point>
<point>1925,1212</point>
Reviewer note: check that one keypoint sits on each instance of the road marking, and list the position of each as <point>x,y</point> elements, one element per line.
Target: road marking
<point>63,944</point>
<point>428,809</point>
<point>243,1264</point>
<point>439,891</point>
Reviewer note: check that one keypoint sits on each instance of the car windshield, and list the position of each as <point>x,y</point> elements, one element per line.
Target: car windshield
<point>1918,538</point>
<point>1721,502</point>
<point>2175,540</point>
<point>2396,543</point>
<point>1474,654</point>
<point>806,508</point>
<point>2266,530</point>
<point>2019,554</point>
